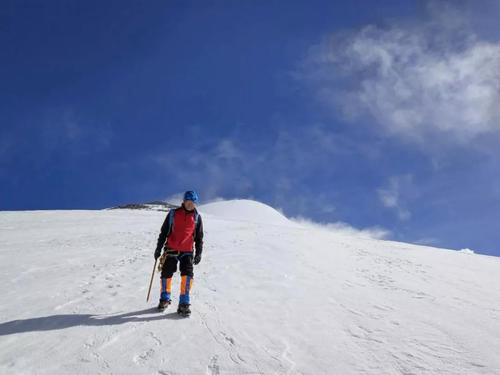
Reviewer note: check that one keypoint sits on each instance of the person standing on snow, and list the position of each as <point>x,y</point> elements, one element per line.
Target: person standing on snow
<point>182,229</point>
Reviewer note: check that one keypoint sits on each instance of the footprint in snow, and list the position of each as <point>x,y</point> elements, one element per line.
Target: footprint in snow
<point>213,367</point>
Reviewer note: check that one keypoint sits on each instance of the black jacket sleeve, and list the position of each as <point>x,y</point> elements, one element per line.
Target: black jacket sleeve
<point>198,237</point>
<point>165,231</point>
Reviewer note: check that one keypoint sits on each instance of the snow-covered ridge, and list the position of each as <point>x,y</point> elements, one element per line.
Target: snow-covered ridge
<point>152,206</point>
<point>237,209</point>
<point>244,209</point>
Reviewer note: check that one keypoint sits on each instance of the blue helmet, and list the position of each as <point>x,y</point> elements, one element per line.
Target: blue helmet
<point>191,196</point>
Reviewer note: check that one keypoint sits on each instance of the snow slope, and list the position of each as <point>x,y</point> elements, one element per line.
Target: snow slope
<point>244,210</point>
<point>270,297</point>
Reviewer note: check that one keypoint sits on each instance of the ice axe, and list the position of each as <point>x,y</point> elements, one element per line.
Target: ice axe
<point>151,282</point>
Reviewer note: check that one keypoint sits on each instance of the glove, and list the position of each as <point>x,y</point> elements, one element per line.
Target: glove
<point>157,253</point>
<point>197,259</point>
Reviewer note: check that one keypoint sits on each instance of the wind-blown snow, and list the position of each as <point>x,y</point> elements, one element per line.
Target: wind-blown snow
<point>467,251</point>
<point>267,299</point>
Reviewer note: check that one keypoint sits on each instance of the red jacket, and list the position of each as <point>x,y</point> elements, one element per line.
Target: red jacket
<point>182,229</point>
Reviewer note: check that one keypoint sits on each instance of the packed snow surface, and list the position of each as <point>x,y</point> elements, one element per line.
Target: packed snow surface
<point>270,297</point>
<point>244,210</point>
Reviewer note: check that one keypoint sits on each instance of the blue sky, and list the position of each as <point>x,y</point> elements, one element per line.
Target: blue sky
<point>381,115</point>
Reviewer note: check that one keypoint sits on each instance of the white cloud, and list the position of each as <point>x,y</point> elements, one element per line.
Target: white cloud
<point>212,169</point>
<point>244,165</point>
<point>391,196</point>
<point>64,129</point>
<point>416,81</point>
<point>226,149</point>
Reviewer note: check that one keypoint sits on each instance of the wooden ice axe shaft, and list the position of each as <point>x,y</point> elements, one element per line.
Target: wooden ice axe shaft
<point>151,282</point>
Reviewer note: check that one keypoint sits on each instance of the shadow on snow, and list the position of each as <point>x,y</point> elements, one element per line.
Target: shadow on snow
<point>55,322</point>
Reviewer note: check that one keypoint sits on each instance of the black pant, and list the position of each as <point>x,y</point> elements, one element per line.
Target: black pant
<point>170,265</point>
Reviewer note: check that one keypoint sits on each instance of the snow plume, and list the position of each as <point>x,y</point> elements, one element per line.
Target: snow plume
<point>417,81</point>
<point>466,251</point>
<point>344,229</point>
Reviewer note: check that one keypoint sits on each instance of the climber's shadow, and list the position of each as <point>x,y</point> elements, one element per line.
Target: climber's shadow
<point>55,322</point>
